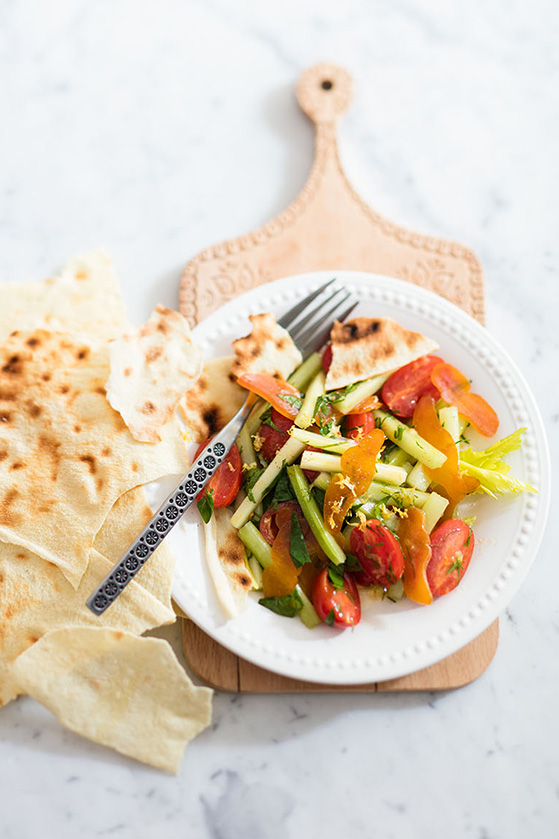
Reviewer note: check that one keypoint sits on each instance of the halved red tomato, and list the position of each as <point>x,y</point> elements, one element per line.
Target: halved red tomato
<point>359,424</point>
<point>339,606</point>
<point>452,545</point>
<point>327,358</point>
<point>378,553</point>
<point>274,438</point>
<point>283,396</point>
<point>226,481</point>
<point>403,390</point>
<point>269,522</point>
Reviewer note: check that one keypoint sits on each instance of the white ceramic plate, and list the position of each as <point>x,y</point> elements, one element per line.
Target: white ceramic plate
<point>391,639</point>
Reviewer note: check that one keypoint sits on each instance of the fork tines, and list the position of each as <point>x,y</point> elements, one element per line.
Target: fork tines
<point>310,327</point>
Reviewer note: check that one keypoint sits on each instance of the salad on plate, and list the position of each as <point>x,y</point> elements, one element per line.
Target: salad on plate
<point>350,473</point>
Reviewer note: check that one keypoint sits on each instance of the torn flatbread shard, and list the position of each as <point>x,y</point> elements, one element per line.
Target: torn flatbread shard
<point>128,515</point>
<point>35,598</point>
<point>268,349</point>
<point>65,454</point>
<point>365,347</point>
<point>226,561</point>
<point>125,692</point>
<point>150,370</point>
<point>84,297</point>
<point>212,401</point>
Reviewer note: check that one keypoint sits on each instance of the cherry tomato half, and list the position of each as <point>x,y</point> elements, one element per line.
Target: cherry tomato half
<point>359,424</point>
<point>342,605</point>
<point>403,390</point>
<point>327,358</point>
<point>378,553</point>
<point>274,438</point>
<point>268,523</point>
<point>226,481</point>
<point>452,545</point>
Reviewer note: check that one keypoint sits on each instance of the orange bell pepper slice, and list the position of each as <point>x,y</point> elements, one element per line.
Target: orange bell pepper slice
<point>427,424</point>
<point>416,548</point>
<point>359,464</point>
<point>454,388</point>
<point>280,578</point>
<point>284,397</point>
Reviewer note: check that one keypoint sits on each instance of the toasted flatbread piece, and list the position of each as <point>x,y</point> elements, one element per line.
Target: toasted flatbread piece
<point>128,515</point>
<point>85,297</point>
<point>35,598</point>
<point>212,400</point>
<point>125,692</point>
<point>268,349</point>
<point>226,559</point>
<point>65,454</point>
<point>365,347</point>
<point>150,370</point>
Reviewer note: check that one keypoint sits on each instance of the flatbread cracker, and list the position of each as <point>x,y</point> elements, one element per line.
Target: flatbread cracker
<point>226,561</point>
<point>268,349</point>
<point>125,692</point>
<point>36,598</point>
<point>65,454</point>
<point>85,297</point>
<point>365,347</point>
<point>151,369</point>
<point>212,401</point>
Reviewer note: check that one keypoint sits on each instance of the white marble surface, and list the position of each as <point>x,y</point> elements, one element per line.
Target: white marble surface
<point>157,128</point>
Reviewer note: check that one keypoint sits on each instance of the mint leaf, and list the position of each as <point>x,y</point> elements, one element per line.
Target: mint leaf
<point>283,491</point>
<point>336,576</point>
<point>297,546</point>
<point>206,505</point>
<point>288,605</point>
<point>249,479</point>
<point>329,619</point>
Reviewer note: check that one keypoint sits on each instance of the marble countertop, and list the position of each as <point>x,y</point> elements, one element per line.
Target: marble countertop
<point>156,129</point>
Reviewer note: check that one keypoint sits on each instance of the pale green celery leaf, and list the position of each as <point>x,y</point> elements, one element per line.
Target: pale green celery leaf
<point>491,471</point>
<point>491,458</point>
<point>494,482</point>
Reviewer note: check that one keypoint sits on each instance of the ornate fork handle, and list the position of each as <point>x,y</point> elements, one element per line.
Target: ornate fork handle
<point>169,513</point>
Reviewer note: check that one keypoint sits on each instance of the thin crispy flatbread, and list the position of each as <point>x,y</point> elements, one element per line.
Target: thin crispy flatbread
<point>212,401</point>
<point>65,454</point>
<point>365,347</point>
<point>125,692</point>
<point>84,297</point>
<point>36,598</point>
<point>268,349</point>
<point>151,369</point>
<point>226,561</point>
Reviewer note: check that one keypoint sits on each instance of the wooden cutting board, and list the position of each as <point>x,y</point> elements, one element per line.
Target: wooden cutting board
<point>328,227</point>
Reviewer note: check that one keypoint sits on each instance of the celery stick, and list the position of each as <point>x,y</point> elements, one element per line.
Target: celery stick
<point>307,614</point>
<point>253,422</point>
<point>434,507</point>
<point>306,371</point>
<point>256,573</point>
<point>316,388</point>
<point>313,515</point>
<point>399,457</point>
<point>360,393</point>
<point>319,461</point>
<point>322,481</point>
<point>327,444</point>
<point>418,478</point>
<point>448,418</point>
<point>286,455</point>
<point>255,543</point>
<point>409,440</point>
<point>244,442</point>
<point>407,496</point>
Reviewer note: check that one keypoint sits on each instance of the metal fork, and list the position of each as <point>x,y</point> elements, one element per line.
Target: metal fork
<point>309,323</point>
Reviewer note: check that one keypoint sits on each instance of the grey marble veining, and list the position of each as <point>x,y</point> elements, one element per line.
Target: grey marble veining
<point>155,129</point>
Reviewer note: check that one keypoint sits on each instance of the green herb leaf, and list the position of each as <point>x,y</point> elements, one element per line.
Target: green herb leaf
<point>288,605</point>
<point>297,546</point>
<point>336,576</point>
<point>283,491</point>
<point>206,505</point>
<point>296,401</point>
<point>249,479</point>
<point>319,496</point>
<point>329,619</point>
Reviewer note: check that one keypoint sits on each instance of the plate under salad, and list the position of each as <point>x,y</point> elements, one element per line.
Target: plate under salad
<point>395,635</point>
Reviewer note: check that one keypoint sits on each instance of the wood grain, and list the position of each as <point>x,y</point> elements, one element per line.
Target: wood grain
<point>327,227</point>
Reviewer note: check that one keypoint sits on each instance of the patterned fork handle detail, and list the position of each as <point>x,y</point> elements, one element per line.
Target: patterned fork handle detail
<point>168,515</point>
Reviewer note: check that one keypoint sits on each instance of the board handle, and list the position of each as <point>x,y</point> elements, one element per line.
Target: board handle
<point>324,93</point>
